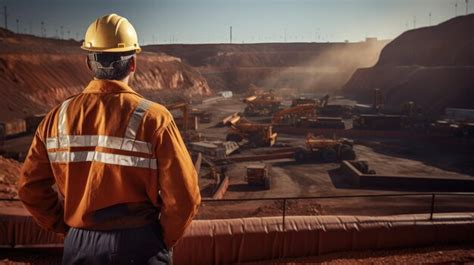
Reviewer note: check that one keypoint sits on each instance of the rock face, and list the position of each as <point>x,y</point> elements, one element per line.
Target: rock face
<point>9,174</point>
<point>433,66</point>
<point>314,67</point>
<point>37,74</point>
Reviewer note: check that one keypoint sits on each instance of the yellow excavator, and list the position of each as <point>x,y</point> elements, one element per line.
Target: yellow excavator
<point>324,149</point>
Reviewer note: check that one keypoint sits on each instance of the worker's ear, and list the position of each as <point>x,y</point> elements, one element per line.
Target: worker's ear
<point>133,64</point>
<point>88,63</point>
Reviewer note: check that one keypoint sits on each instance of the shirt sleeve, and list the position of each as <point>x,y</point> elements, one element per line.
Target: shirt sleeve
<point>179,185</point>
<point>36,189</point>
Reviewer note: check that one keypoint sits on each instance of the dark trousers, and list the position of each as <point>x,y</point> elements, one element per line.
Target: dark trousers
<point>142,245</point>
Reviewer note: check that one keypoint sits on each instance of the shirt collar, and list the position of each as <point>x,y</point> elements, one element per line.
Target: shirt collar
<point>108,86</point>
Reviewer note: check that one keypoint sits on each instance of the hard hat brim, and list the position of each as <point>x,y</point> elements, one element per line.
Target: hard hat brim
<point>125,49</point>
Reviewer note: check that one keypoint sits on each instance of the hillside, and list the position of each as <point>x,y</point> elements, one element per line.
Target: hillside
<point>315,67</point>
<point>433,66</point>
<point>38,73</point>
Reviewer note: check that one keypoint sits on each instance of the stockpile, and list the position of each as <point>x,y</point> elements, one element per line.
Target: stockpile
<point>9,174</point>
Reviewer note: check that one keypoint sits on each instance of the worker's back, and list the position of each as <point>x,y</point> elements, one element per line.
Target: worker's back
<point>101,154</point>
<point>116,159</point>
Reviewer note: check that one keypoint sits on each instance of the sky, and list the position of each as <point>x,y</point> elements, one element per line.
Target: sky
<point>252,21</point>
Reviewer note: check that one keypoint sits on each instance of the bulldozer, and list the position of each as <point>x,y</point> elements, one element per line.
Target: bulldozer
<point>258,135</point>
<point>324,149</point>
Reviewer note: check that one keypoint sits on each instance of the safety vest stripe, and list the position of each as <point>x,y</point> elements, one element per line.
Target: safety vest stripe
<point>112,142</point>
<point>106,158</point>
<point>136,118</point>
<point>62,117</point>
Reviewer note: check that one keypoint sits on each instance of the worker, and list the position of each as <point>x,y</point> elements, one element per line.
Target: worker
<point>108,167</point>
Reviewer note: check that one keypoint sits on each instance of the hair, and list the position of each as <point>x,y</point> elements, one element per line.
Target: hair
<point>111,66</point>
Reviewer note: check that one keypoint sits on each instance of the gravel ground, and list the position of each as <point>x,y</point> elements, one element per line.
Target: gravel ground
<point>457,254</point>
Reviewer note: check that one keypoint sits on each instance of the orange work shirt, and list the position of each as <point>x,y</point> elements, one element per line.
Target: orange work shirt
<point>118,161</point>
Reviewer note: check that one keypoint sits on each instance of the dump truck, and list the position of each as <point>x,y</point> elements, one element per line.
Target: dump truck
<point>258,175</point>
<point>256,134</point>
<point>325,149</point>
<point>263,104</point>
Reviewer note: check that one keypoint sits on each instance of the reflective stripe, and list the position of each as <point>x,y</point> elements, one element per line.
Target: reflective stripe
<point>112,142</point>
<point>106,158</point>
<point>136,118</point>
<point>62,117</point>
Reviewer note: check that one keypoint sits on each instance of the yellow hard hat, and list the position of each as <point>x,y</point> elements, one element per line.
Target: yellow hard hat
<point>111,33</point>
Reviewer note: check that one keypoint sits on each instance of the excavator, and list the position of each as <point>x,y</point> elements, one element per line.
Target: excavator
<point>257,134</point>
<point>327,150</point>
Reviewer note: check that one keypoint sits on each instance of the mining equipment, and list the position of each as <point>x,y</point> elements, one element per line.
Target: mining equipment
<point>303,101</point>
<point>327,150</point>
<point>263,104</point>
<point>378,121</point>
<point>214,149</point>
<point>256,134</point>
<point>187,126</point>
<point>333,110</point>
<point>185,109</point>
<point>203,116</point>
<point>294,115</point>
<point>258,175</point>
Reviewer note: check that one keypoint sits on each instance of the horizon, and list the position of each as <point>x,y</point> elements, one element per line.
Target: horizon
<point>265,21</point>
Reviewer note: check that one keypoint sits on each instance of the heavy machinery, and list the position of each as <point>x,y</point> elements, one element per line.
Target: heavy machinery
<point>302,101</point>
<point>258,175</point>
<point>184,108</point>
<point>263,104</point>
<point>257,134</point>
<point>186,125</point>
<point>294,115</point>
<point>327,150</point>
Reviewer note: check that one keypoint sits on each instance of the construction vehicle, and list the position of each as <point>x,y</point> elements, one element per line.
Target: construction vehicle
<point>186,125</point>
<point>303,101</point>
<point>294,115</point>
<point>257,134</point>
<point>203,116</point>
<point>214,149</point>
<point>184,108</point>
<point>327,150</point>
<point>258,175</point>
<point>263,104</point>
